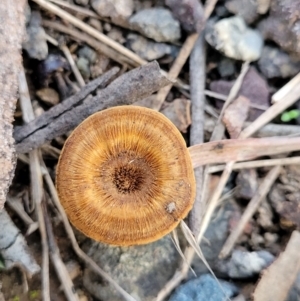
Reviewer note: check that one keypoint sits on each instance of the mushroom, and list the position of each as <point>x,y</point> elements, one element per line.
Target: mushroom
<point>125,176</point>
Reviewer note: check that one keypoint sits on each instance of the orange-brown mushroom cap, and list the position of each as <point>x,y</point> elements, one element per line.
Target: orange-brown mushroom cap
<point>125,176</point>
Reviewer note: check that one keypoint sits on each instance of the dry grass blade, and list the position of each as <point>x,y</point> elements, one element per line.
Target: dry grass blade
<point>193,243</point>
<point>58,264</point>
<point>70,59</point>
<point>175,241</point>
<point>94,43</point>
<point>277,280</point>
<point>261,193</point>
<point>241,150</point>
<point>258,164</point>
<point>90,30</point>
<point>76,8</point>
<point>286,89</point>
<point>36,185</point>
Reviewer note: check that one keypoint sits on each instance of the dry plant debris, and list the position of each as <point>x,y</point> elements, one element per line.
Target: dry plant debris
<point>87,68</point>
<point>11,31</point>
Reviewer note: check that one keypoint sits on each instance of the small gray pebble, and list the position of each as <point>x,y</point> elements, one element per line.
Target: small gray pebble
<point>88,53</point>
<point>83,66</point>
<point>233,38</point>
<point>113,8</point>
<point>204,288</point>
<point>141,270</point>
<point>226,67</point>
<point>276,63</point>
<point>157,24</point>
<point>148,49</point>
<point>35,43</point>
<point>245,264</point>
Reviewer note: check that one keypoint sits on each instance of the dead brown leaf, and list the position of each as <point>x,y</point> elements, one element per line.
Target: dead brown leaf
<point>235,116</point>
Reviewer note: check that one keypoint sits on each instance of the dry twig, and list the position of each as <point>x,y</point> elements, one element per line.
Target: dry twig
<point>258,164</point>
<point>36,185</point>
<point>70,59</point>
<point>197,84</point>
<point>58,264</point>
<point>94,43</point>
<point>126,89</point>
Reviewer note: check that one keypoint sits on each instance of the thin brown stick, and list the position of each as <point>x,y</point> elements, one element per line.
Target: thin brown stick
<point>69,58</point>
<point>60,268</point>
<point>223,97</point>
<point>257,164</point>
<point>90,30</point>
<point>86,259</point>
<point>15,204</point>
<point>73,66</point>
<point>94,43</point>
<point>197,84</point>
<point>36,185</point>
<point>76,8</point>
<point>259,196</point>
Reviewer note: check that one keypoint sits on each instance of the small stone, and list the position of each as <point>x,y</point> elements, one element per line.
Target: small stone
<point>190,13</point>
<point>84,67</point>
<point>243,8</point>
<point>36,43</point>
<point>141,270</point>
<point>82,2</point>
<point>148,49</point>
<point>204,288</point>
<point>96,24</point>
<point>277,63</point>
<point>113,8</point>
<point>48,96</point>
<point>247,183</point>
<point>246,264</point>
<point>232,37</point>
<point>216,234</point>
<point>256,240</point>
<point>282,25</point>
<point>178,111</point>
<point>88,53</point>
<point>265,216</point>
<point>157,24</point>
<point>226,67</point>
<point>270,238</point>
<point>116,35</point>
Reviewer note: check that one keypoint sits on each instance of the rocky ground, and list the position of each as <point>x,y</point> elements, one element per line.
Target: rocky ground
<point>262,38</point>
